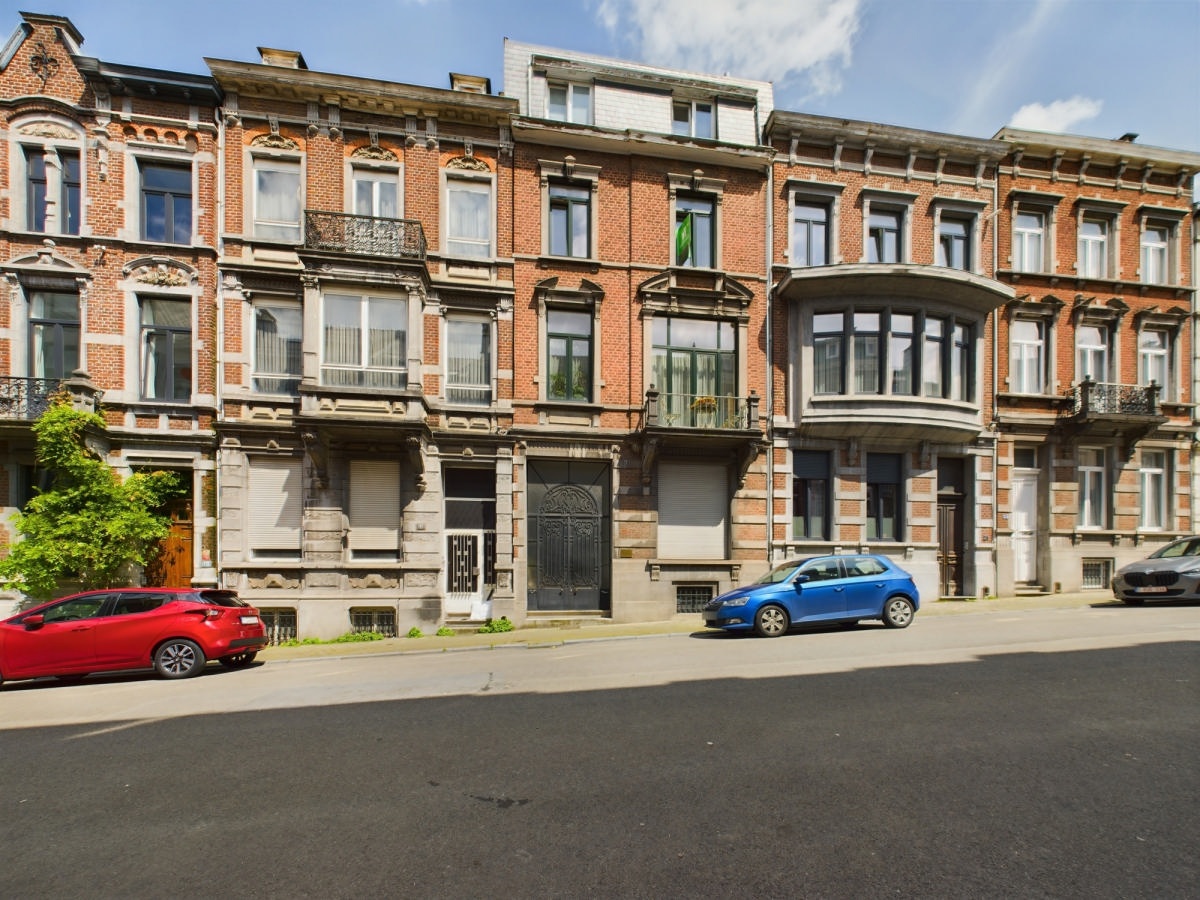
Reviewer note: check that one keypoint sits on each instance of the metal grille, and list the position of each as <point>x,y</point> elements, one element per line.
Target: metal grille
<point>366,235</point>
<point>26,398</point>
<point>1151,579</point>
<point>1097,573</point>
<point>692,598</point>
<point>380,621</point>
<point>280,624</point>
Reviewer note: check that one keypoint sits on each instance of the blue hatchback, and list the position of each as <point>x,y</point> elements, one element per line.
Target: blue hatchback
<point>818,589</point>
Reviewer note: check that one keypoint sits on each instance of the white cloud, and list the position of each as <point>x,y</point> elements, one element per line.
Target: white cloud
<point>762,39</point>
<point>1060,115</point>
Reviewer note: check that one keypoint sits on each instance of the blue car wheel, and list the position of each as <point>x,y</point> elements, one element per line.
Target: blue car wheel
<point>898,612</point>
<point>771,621</point>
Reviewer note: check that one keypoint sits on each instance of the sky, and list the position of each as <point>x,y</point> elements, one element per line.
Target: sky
<point>1101,68</point>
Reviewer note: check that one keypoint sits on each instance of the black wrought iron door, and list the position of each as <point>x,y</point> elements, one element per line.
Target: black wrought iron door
<point>568,567</point>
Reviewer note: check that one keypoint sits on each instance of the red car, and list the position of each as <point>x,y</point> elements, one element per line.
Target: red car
<point>175,630</point>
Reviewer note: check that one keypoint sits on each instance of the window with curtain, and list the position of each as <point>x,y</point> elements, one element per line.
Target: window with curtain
<point>810,230</point>
<point>569,367</point>
<point>883,236</point>
<point>52,173</point>
<point>376,193</point>
<point>694,368</point>
<point>364,341</point>
<point>570,103</point>
<point>902,354</point>
<point>469,361</point>
<point>278,340</point>
<point>933,357</point>
<point>1029,235</point>
<point>1093,248</point>
<point>954,242</point>
<point>1154,489</point>
<point>166,349</point>
<point>53,334</point>
<point>695,232</point>
<point>1154,358</point>
<point>1092,487</point>
<point>868,355</point>
<point>962,364</point>
<point>829,342</point>
<point>1027,338</point>
<point>570,220</point>
<point>1156,242</point>
<point>277,199</point>
<point>1091,353</point>
<point>468,217</point>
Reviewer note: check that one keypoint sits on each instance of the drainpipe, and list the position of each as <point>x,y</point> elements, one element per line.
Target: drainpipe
<point>770,366</point>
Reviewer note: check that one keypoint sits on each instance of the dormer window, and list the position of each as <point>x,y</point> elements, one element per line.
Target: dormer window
<point>693,118</point>
<point>570,103</point>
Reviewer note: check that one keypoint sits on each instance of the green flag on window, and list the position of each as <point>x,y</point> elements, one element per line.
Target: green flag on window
<point>683,240</point>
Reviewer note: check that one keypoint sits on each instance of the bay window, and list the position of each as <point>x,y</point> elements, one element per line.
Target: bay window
<point>364,341</point>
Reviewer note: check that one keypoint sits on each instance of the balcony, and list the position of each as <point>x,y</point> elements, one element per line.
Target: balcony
<point>1128,411</point>
<point>25,399</point>
<point>336,232</point>
<point>707,423</point>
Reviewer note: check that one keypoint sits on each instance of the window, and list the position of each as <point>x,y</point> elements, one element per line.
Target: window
<point>1093,248</point>
<point>868,354</point>
<point>166,203</point>
<point>1092,487</point>
<point>693,119</point>
<point>1154,489</point>
<point>276,199</point>
<point>1091,353</point>
<point>278,338</point>
<point>883,497</point>
<point>1029,235</point>
<point>810,231</point>
<point>53,182</point>
<point>365,341</point>
<point>469,361</point>
<point>902,354</point>
<point>1156,243</point>
<point>1028,338</point>
<point>376,193</point>
<point>695,232</point>
<point>1154,358</point>
<point>274,508</point>
<point>883,236</point>
<point>166,349</point>
<point>469,218</point>
<point>829,342</point>
<point>53,334</point>
<point>810,495</point>
<point>374,509</point>
<point>569,339</point>
<point>570,220</point>
<point>954,243</point>
<point>694,366</point>
<point>570,103</point>
<point>896,352</point>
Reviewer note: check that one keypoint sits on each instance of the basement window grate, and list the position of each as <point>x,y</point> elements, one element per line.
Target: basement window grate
<point>1097,573</point>
<point>692,598</point>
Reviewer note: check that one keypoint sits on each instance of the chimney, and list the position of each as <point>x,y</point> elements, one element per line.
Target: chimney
<point>284,59</point>
<point>470,84</point>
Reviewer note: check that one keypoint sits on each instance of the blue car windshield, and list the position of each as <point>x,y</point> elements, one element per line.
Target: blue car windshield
<point>778,574</point>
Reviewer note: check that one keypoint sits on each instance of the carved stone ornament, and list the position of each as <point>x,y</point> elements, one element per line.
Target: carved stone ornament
<point>274,142</point>
<point>374,580</point>
<point>468,163</point>
<point>380,153</point>
<point>162,275</point>
<point>274,580</point>
<point>48,130</point>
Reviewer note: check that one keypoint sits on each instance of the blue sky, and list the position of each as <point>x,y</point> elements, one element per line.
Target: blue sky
<point>1094,67</point>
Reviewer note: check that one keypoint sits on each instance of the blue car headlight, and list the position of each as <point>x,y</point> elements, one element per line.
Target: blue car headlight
<point>737,601</point>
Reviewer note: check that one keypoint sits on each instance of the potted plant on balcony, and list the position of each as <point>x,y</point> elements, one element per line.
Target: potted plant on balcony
<point>704,410</point>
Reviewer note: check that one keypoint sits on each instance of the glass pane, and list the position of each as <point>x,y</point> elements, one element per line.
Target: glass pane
<point>343,330</point>
<point>557,103</point>
<point>386,322</point>
<point>580,217</point>
<point>558,229</point>
<point>561,321</point>
<point>581,104</point>
<point>170,313</point>
<point>277,341</point>
<point>704,121</point>
<point>181,371</point>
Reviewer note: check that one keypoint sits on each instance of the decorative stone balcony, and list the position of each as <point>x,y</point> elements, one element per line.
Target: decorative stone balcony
<point>337,232</point>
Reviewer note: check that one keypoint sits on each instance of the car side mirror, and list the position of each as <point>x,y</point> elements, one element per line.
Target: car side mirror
<point>34,621</point>
<point>800,580</point>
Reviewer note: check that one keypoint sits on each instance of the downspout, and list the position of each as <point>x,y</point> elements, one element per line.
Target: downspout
<point>769,399</point>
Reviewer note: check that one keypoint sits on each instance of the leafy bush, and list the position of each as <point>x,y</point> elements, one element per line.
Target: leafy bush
<point>445,631</point>
<point>358,637</point>
<point>415,632</point>
<point>495,626</point>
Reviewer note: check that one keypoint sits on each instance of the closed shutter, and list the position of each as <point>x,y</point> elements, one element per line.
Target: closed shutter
<point>276,506</point>
<point>693,504</point>
<point>374,504</point>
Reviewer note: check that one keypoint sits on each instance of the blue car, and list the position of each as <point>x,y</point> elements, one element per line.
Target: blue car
<point>818,589</point>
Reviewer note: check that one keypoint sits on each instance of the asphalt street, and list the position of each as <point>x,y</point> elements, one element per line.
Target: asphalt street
<point>1045,753</point>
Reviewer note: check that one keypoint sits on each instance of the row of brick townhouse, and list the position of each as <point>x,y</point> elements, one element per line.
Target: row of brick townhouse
<point>601,345</point>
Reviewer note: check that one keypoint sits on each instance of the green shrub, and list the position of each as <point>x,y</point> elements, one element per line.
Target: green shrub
<point>445,631</point>
<point>494,626</point>
<point>415,632</point>
<point>355,637</point>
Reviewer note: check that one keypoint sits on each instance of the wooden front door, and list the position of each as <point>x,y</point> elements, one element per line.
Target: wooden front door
<point>172,567</point>
<point>950,547</point>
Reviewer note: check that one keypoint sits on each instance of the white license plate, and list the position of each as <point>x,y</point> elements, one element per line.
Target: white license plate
<point>249,620</point>
<point>1150,590</point>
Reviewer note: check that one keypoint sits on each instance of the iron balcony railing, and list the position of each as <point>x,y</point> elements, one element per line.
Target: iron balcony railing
<point>364,235</point>
<point>1092,398</point>
<point>675,410</point>
<point>26,398</point>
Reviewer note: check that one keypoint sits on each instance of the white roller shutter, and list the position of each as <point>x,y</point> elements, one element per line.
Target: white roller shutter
<point>374,504</point>
<point>693,505</point>
<point>276,506</point>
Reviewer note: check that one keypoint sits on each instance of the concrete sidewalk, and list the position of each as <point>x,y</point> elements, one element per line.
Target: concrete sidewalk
<point>540,636</point>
